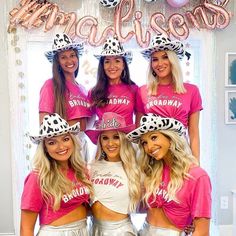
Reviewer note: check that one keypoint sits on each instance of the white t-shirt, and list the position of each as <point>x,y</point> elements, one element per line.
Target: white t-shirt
<point>110,185</point>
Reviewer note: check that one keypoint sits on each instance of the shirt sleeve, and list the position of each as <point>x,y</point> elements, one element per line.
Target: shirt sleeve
<point>90,101</point>
<point>201,198</point>
<point>46,99</point>
<point>139,106</point>
<point>31,198</point>
<point>196,103</point>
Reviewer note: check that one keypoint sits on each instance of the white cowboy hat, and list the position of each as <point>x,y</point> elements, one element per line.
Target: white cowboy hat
<point>54,125</point>
<point>162,43</point>
<point>112,47</point>
<point>153,122</point>
<point>63,42</point>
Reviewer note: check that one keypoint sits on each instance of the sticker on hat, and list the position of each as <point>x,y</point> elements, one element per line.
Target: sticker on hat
<point>113,47</point>
<point>63,42</point>
<point>54,125</point>
<point>109,121</point>
<point>153,122</point>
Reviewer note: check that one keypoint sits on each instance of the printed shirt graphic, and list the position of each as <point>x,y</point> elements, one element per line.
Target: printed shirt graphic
<point>193,199</point>
<point>77,105</point>
<point>32,198</point>
<point>110,185</point>
<point>169,104</point>
<point>121,101</point>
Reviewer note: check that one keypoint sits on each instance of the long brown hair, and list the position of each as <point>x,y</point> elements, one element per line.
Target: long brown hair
<point>59,86</point>
<point>99,93</point>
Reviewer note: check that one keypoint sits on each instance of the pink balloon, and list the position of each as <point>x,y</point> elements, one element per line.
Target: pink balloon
<point>177,3</point>
<point>139,33</point>
<point>70,18</point>
<point>51,18</point>
<point>21,13</point>
<point>119,19</point>
<point>35,19</point>
<point>158,19</point>
<point>178,27</point>
<point>91,34</point>
<point>208,21</point>
<point>222,16</point>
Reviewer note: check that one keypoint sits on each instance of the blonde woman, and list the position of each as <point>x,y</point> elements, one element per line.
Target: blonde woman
<point>57,189</point>
<point>115,177</point>
<point>165,93</point>
<point>177,190</point>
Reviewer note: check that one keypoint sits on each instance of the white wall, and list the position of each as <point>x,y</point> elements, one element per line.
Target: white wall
<point>6,203</point>
<point>225,142</point>
<point>226,134</point>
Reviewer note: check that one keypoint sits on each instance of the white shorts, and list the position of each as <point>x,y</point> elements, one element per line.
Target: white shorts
<point>150,230</point>
<point>78,228</point>
<point>113,228</point>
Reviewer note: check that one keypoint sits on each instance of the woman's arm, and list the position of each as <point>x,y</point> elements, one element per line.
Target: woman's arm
<point>193,130</point>
<point>137,118</point>
<point>82,121</point>
<point>27,224</point>
<point>202,226</point>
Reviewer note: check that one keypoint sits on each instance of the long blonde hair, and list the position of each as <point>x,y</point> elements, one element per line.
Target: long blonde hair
<point>182,160</point>
<point>52,182</point>
<point>177,75</point>
<point>128,158</point>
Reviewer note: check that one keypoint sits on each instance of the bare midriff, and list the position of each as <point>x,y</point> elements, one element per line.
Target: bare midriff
<point>157,217</point>
<point>100,212</point>
<point>77,214</point>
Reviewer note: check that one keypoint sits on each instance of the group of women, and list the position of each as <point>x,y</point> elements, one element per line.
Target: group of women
<point>160,176</point>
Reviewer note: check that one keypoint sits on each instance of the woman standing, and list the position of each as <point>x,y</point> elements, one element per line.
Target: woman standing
<point>115,177</point>
<point>114,90</point>
<point>62,94</point>
<point>57,189</point>
<point>165,93</point>
<point>177,190</point>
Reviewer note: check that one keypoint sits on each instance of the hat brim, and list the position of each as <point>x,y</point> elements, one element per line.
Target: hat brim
<point>155,125</point>
<point>127,55</point>
<point>74,129</point>
<point>175,46</point>
<point>78,46</point>
<point>93,134</point>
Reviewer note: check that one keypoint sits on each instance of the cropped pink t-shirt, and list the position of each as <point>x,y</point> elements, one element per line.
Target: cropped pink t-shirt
<point>167,103</point>
<point>194,198</point>
<point>33,200</point>
<point>121,100</point>
<point>77,105</point>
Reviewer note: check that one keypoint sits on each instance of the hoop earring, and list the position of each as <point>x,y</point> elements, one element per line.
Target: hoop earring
<point>103,156</point>
<point>154,73</point>
<point>60,69</point>
<point>151,161</point>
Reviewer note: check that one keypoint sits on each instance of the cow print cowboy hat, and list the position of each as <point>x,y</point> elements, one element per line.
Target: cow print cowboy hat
<point>62,42</point>
<point>53,125</point>
<point>112,47</point>
<point>162,43</point>
<point>153,122</point>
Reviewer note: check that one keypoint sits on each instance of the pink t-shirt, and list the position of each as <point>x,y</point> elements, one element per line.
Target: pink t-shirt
<point>33,200</point>
<point>77,105</point>
<point>169,104</point>
<point>121,100</point>
<point>194,198</point>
